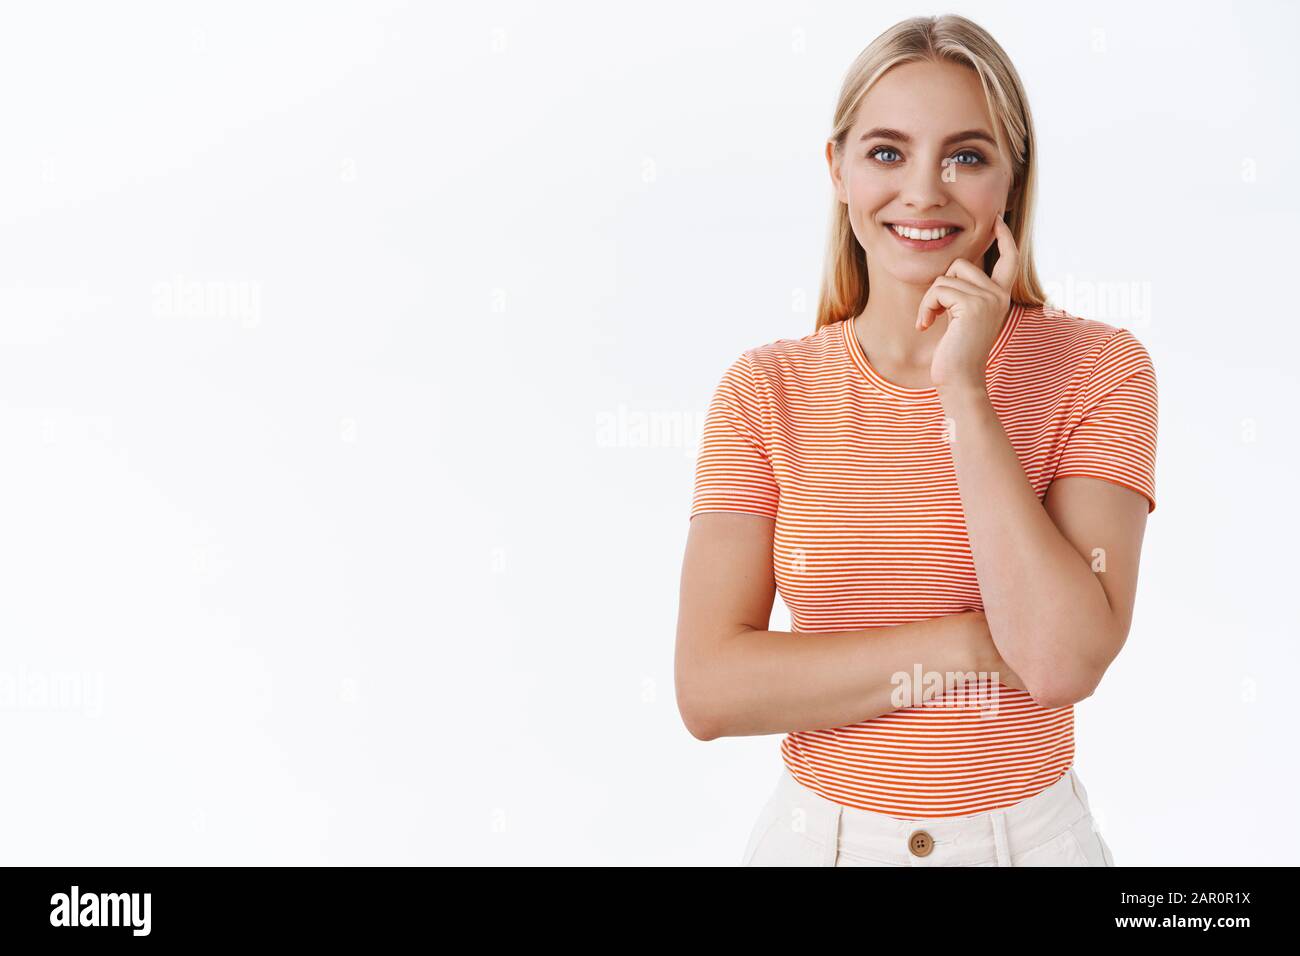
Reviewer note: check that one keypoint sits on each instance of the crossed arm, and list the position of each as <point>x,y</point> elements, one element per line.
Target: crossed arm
<point>1058,578</point>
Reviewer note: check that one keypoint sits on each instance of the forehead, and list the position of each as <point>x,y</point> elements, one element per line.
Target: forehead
<point>926,100</point>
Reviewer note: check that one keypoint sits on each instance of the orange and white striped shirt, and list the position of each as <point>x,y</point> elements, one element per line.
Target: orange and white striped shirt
<point>859,477</point>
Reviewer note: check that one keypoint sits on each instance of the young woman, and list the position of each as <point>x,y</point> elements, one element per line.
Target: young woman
<point>948,481</point>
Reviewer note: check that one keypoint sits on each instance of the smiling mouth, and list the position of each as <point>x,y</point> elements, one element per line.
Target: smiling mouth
<point>922,235</point>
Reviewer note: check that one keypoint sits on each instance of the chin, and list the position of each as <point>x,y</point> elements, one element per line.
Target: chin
<point>916,273</point>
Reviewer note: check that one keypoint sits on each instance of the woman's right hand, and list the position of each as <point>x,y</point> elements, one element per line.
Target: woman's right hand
<point>986,655</point>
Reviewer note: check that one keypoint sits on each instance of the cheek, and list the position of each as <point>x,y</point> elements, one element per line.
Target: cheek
<point>983,205</point>
<point>866,204</point>
<point>984,200</point>
<point>983,208</point>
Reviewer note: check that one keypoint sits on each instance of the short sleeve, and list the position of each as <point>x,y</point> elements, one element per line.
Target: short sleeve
<point>1115,423</point>
<point>733,471</point>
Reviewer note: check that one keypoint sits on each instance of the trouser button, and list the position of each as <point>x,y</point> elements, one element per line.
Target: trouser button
<point>920,843</point>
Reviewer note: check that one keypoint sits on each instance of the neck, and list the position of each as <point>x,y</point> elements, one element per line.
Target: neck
<point>887,326</point>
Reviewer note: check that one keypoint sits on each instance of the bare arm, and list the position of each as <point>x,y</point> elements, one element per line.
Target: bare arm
<point>736,678</point>
<point>1055,619</point>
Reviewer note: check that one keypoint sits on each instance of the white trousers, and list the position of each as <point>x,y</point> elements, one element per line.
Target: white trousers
<point>798,827</point>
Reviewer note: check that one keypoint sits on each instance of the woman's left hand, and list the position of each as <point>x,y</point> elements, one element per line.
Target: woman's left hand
<point>976,305</point>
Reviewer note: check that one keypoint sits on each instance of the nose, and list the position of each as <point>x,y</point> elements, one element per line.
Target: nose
<point>924,187</point>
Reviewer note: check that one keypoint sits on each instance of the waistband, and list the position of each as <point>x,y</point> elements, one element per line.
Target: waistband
<point>939,841</point>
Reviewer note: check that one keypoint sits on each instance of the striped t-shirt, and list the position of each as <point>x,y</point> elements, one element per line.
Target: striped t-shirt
<point>858,474</point>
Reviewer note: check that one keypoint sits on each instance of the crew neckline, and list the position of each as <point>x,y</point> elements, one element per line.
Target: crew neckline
<point>902,392</point>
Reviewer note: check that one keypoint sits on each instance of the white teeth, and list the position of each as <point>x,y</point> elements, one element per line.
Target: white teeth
<point>910,233</point>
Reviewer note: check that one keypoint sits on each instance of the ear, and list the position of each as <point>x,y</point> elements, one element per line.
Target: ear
<point>833,166</point>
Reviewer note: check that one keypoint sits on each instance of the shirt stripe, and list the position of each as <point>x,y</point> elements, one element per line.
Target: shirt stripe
<point>857,474</point>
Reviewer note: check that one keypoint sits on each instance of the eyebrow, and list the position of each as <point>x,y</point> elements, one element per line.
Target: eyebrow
<point>883,132</point>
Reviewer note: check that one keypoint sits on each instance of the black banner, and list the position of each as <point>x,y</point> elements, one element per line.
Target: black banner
<point>368,905</point>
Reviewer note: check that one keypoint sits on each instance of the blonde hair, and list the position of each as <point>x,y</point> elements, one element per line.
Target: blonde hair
<point>954,39</point>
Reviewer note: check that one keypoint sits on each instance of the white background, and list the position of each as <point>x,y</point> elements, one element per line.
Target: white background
<point>329,333</point>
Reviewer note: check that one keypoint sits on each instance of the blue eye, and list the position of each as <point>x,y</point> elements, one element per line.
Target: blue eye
<point>977,157</point>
